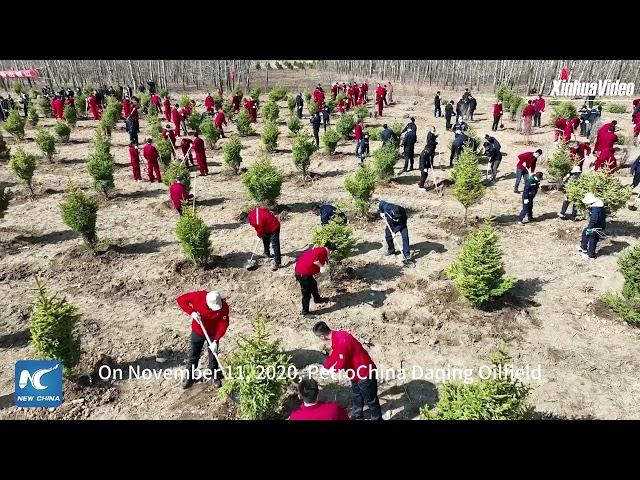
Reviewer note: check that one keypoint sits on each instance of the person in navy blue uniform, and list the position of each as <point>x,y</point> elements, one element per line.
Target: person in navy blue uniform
<point>596,226</point>
<point>531,185</point>
<point>396,219</point>
<point>329,212</point>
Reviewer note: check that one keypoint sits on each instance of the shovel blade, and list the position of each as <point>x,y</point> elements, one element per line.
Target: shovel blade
<point>251,265</point>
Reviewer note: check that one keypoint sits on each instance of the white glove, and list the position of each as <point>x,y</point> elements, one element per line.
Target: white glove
<point>214,346</point>
<point>195,316</point>
<point>382,215</point>
<point>323,269</point>
<point>425,170</point>
<point>526,201</point>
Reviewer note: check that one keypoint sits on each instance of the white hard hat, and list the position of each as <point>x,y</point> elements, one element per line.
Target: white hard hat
<point>576,169</point>
<point>589,199</point>
<point>214,300</point>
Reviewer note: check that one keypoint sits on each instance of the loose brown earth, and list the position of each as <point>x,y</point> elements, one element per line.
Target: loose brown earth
<point>405,316</point>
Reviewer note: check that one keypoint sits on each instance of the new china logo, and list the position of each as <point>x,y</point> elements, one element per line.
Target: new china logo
<point>602,88</point>
<point>38,383</point>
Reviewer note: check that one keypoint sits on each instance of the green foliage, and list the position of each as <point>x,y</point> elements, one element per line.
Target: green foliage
<point>175,170</point>
<point>262,181</point>
<point>193,121</point>
<point>473,134</point>
<point>243,123</point>
<point>621,138</point>
<point>45,107</point>
<point>17,87</point>
<point>110,115</point>
<point>307,97</point>
<point>231,153</point>
<point>303,148</point>
<point>46,142</point>
<point>345,125</point>
<point>341,95</point>
<point>165,150</point>
<point>478,270</point>
<point>52,326</point>
<point>277,93</point>
<point>80,102</point>
<point>396,128</point>
<point>193,236</point>
<point>254,94</point>
<point>331,104</point>
<point>497,398</point>
<point>330,140</point>
<point>155,127</point>
<point>80,213</point>
<point>339,234</point>
<point>627,305</point>
<point>144,99</point>
<point>361,186</point>
<point>294,124</point>
<point>163,93</point>
<point>468,178</point>
<point>23,165</point>
<point>502,91</point>
<point>62,131</point>
<point>227,109</point>
<point>5,198</point>
<point>291,103</point>
<point>88,89</point>
<point>70,115</point>
<point>270,111</point>
<point>516,103</point>
<point>602,185</point>
<point>384,159</point>
<point>566,109</point>
<point>313,108</point>
<point>218,101</point>
<point>32,116</point>
<point>375,133</point>
<point>184,100</point>
<point>361,112</point>
<point>259,393</point>
<point>615,108</point>
<point>559,163</point>
<point>15,125</point>
<point>270,135</point>
<point>101,165</point>
<point>209,132</point>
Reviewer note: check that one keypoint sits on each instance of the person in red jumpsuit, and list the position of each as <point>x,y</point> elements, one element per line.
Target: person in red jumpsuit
<point>267,227</point>
<point>211,311</point>
<point>606,143</point>
<point>92,105</point>
<point>209,103</point>
<point>342,105</point>
<point>251,107</point>
<point>350,92</point>
<point>185,145</point>
<point>156,102</point>
<point>334,90</point>
<point>235,102</point>
<point>134,158</point>
<point>218,121</point>
<point>527,118</point>
<point>580,152</point>
<point>175,118</point>
<point>603,131</point>
<point>564,74</point>
<point>569,128</point>
<point>311,408</point>
<point>606,159</point>
<point>70,101</point>
<point>167,108</point>
<point>178,194</point>
<point>380,95</point>
<point>356,92</point>
<point>200,153</point>
<point>151,155</point>
<point>126,107</point>
<point>559,127</point>
<point>364,89</point>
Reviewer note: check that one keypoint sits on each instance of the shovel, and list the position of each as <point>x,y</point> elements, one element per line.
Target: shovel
<point>393,236</point>
<point>215,355</point>
<point>251,263</point>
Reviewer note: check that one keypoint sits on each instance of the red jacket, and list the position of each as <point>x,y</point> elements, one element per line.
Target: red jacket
<point>169,135</point>
<point>341,105</point>
<point>358,131</point>
<point>560,123</point>
<point>364,87</point>
<point>215,322</point>
<point>235,103</point>
<point>208,102</point>
<point>263,221</point>
<point>219,119</point>
<point>527,161</point>
<point>178,193</point>
<point>305,263</point>
<point>497,110</point>
<point>167,105</point>
<point>175,115</point>
<point>606,141</point>
<point>581,151</point>
<point>564,74</point>
<point>568,131</point>
<point>528,111</point>
<point>380,93</point>
<point>150,153</point>
<point>185,143</point>
<point>539,104</point>
<point>605,159</point>
<point>134,115</point>
<point>348,354</point>
<point>134,155</point>
<point>198,148</point>
<point>320,411</point>
<point>126,107</point>
<point>155,100</point>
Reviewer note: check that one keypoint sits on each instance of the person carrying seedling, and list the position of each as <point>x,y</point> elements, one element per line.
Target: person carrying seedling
<point>209,321</point>
<point>311,408</point>
<point>526,164</point>
<point>309,264</point>
<point>595,228</point>
<point>267,227</point>
<point>178,194</point>
<point>151,155</point>
<point>395,218</point>
<point>329,212</point>
<point>348,354</point>
<point>572,176</point>
<point>531,185</point>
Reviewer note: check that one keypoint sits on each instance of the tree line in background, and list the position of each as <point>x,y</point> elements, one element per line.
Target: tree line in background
<point>528,75</point>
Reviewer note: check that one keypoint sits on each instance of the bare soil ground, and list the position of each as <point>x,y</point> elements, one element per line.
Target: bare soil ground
<point>406,316</point>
